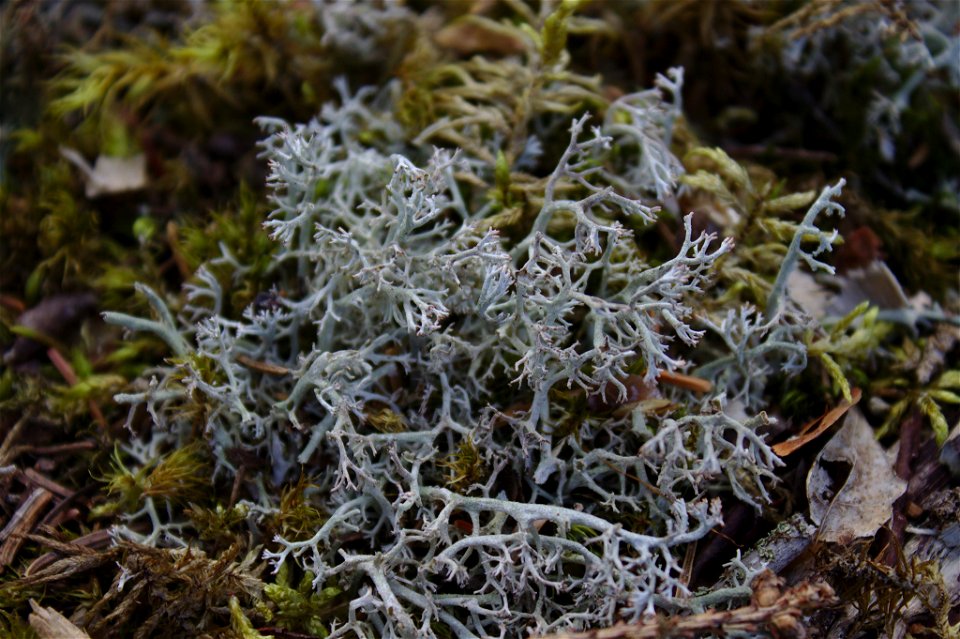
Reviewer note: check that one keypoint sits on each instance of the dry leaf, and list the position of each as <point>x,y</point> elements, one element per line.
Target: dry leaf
<point>815,428</point>
<point>875,283</point>
<point>863,502</point>
<point>52,318</point>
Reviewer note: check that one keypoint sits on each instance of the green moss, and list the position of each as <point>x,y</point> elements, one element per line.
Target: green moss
<point>14,627</point>
<point>302,607</point>
<point>467,466</point>
<point>179,476</point>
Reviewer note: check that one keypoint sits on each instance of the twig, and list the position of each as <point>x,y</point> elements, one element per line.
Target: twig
<point>59,449</point>
<point>65,509</point>
<point>772,610</point>
<point>22,522</point>
<point>689,382</point>
<point>283,633</point>
<point>88,545</point>
<point>237,484</point>
<point>653,489</point>
<point>263,367</point>
<point>12,435</point>
<point>909,443</point>
<point>30,477</point>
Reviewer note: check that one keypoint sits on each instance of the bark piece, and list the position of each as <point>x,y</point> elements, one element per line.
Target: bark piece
<point>50,624</point>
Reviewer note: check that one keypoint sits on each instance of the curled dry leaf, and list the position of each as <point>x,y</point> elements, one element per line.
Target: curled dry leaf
<point>50,318</point>
<point>815,428</point>
<point>863,502</point>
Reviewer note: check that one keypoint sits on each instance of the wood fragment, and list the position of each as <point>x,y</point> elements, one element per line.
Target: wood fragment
<point>21,524</point>
<point>60,449</point>
<point>935,352</point>
<point>913,510</point>
<point>773,610</point>
<point>779,152</point>
<point>67,508</point>
<point>609,400</point>
<point>30,477</point>
<point>63,366</point>
<point>50,624</point>
<point>237,485</point>
<point>6,449</point>
<point>60,514</point>
<point>686,574</point>
<point>689,382</point>
<point>475,34</point>
<point>283,633</point>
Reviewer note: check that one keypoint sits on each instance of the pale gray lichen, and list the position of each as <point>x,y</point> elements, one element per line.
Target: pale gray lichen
<point>399,301</point>
<point>759,345</point>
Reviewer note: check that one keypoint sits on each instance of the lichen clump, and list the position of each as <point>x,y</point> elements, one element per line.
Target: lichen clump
<point>406,335</point>
<point>506,343</point>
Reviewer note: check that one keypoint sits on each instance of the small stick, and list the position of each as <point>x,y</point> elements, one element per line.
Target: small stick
<point>11,437</point>
<point>30,477</point>
<point>50,624</point>
<point>773,610</point>
<point>59,449</point>
<point>689,382</point>
<point>24,519</point>
<point>263,367</point>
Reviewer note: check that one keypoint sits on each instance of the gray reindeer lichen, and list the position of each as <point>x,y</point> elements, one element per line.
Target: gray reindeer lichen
<point>409,331</point>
